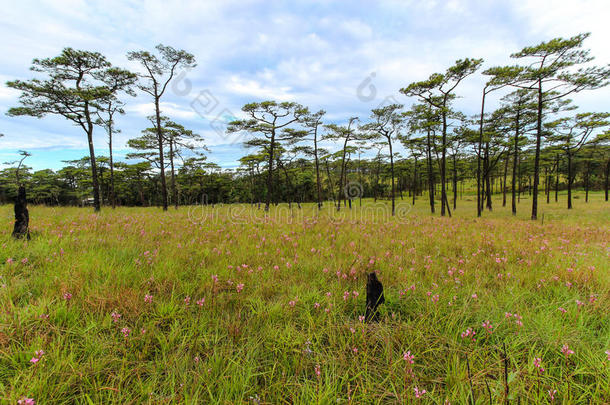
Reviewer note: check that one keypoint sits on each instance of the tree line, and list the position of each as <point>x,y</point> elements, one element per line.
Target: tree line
<point>535,137</point>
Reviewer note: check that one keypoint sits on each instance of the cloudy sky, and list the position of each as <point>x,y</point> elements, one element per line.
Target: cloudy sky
<point>342,56</point>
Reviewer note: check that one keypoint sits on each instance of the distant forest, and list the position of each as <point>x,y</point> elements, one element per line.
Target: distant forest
<point>536,141</point>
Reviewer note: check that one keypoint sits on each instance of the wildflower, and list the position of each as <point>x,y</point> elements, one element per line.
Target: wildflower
<point>435,298</point>
<point>9,261</point>
<point>317,370</point>
<point>115,317</point>
<point>200,302</point>
<point>316,305</point>
<point>148,298</point>
<point>44,316</point>
<point>187,300</point>
<point>418,393</point>
<point>126,332</point>
<point>468,333</point>
<point>408,357</point>
<point>538,364</point>
<point>552,394</point>
<point>562,310</point>
<point>34,360</point>
<point>24,260</point>
<point>239,287</point>
<point>67,296</point>
<point>579,303</point>
<point>361,319</point>
<point>566,350</point>
<point>608,354</point>
<point>487,325</point>
<point>26,401</point>
<point>292,303</point>
<point>355,293</point>
<point>214,278</point>
<point>355,350</point>
<point>474,296</point>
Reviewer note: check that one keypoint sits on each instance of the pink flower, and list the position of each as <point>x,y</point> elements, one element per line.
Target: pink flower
<point>200,302</point>
<point>418,393</point>
<point>187,300</point>
<point>240,287</point>
<point>487,325</point>
<point>34,360</point>
<point>562,309</point>
<point>292,303</point>
<point>115,317</point>
<point>67,296</point>
<point>317,370</point>
<point>361,318</point>
<point>24,260</point>
<point>215,278</point>
<point>355,350</point>
<point>608,354</point>
<point>552,394</point>
<point>474,296</point>
<point>126,332</point>
<point>538,364</point>
<point>148,298</point>
<point>316,305</point>
<point>9,261</point>
<point>26,401</point>
<point>435,298</point>
<point>39,353</point>
<point>566,350</point>
<point>408,357</point>
<point>469,333</point>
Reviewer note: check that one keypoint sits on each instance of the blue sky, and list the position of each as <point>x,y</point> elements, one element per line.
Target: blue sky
<point>317,53</point>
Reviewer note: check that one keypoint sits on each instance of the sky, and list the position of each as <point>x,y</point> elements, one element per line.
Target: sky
<point>345,57</point>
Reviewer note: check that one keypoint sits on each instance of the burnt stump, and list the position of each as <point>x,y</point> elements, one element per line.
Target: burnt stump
<point>374,297</point>
<point>22,216</point>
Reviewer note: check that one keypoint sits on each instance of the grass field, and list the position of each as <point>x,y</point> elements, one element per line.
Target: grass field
<point>224,305</point>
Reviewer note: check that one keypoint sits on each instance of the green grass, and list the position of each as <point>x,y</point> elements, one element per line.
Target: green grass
<point>264,344</point>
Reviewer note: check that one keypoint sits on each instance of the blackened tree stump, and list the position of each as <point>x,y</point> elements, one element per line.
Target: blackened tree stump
<point>22,216</point>
<point>374,297</point>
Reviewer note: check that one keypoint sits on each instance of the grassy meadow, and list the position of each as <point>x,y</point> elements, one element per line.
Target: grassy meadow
<point>224,305</point>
